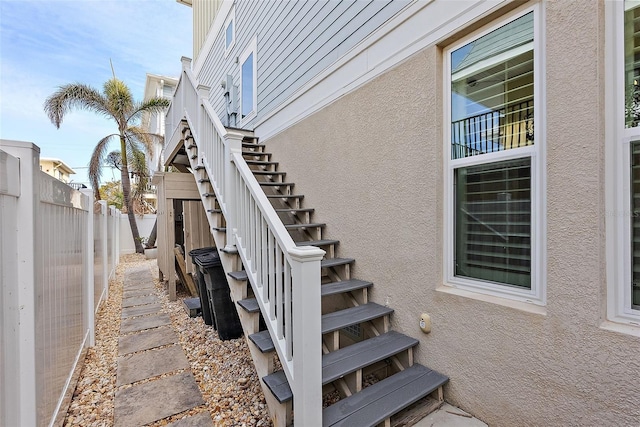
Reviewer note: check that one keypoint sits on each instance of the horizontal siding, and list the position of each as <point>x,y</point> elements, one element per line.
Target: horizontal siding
<point>296,41</point>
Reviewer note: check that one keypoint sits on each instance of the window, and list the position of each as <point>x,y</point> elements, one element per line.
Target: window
<point>248,84</point>
<point>492,144</point>
<point>229,32</point>
<point>623,214</point>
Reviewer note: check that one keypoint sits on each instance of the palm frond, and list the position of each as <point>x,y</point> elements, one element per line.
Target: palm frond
<point>153,105</point>
<point>137,136</point>
<point>120,100</point>
<point>75,95</point>
<point>97,159</point>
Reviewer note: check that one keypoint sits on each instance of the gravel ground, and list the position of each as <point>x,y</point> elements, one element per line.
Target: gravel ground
<point>223,369</point>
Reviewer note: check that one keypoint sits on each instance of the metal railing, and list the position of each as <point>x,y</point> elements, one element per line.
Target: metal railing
<point>497,130</point>
<point>284,277</point>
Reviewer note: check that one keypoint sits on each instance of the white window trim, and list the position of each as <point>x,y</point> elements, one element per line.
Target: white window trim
<point>537,154</point>
<point>252,48</point>
<point>617,174</point>
<point>230,18</point>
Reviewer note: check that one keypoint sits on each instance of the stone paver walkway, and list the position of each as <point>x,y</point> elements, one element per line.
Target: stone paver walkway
<point>154,376</point>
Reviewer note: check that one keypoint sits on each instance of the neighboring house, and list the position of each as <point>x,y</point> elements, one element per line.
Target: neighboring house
<point>56,168</point>
<point>156,87</point>
<point>478,159</point>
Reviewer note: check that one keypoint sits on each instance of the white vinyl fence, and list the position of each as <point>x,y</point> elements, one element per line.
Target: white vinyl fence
<point>56,255</point>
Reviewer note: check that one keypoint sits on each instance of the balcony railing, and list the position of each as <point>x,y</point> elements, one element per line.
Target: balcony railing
<point>496,130</point>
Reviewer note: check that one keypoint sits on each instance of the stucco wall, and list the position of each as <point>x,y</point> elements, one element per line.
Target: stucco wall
<point>371,164</point>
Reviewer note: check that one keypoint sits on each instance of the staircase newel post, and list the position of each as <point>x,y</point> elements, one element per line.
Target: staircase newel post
<point>186,64</point>
<point>232,145</point>
<point>307,337</point>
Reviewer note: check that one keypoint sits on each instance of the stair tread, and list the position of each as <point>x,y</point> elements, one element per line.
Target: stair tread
<point>322,242</point>
<point>263,341</point>
<point>352,316</point>
<point>250,305</point>
<point>279,386</point>
<point>381,400</point>
<point>331,262</point>
<point>295,210</point>
<point>305,225</point>
<point>344,286</point>
<point>364,353</point>
<point>285,196</point>
<point>260,162</point>
<point>268,173</point>
<point>334,262</point>
<point>276,184</point>
<point>238,275</point>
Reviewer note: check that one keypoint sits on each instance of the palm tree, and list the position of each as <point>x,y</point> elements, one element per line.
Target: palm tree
<point>114,102</point>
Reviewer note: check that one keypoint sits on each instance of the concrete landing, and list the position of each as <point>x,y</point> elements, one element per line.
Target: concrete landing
<point>154,377</point>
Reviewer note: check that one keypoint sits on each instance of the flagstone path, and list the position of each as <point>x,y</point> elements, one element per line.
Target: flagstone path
<point>153,375</point>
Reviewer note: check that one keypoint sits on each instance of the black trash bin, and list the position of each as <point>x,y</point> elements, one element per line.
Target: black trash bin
<point>222,307</point>
<point>205,306</point>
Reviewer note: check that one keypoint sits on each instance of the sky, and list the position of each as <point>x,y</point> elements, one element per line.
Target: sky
<point>45,44</point>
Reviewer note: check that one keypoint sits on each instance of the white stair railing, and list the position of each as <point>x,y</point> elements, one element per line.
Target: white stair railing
<point>285,278</point>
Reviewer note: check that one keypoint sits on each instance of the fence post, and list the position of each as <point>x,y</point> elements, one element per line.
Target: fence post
<point>307,337</point>
<point>23,379</point>
<point>232,144</point>
<point>88,272</point>
<point>115,214</point>
<point>105,248</point>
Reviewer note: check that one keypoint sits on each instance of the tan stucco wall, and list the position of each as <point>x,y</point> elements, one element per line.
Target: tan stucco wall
<point>371,164</point>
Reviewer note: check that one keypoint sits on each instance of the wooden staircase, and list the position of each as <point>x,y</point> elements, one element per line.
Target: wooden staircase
<point>367,367</point>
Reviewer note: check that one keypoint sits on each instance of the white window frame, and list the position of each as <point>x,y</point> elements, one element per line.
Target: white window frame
<point>251,49</point>
<point>536,152</point>
<point>231,18</point>
<point>618,174</point>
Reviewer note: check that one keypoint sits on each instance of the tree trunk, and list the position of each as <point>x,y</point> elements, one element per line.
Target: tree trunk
<point>126,195</point>
<point>154,233</point>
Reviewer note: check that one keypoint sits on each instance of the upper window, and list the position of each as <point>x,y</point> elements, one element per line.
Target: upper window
<point>229,31</point>
<point>492,149</point>
<point>248,94</point>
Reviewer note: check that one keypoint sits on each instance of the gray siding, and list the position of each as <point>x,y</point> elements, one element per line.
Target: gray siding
<point>296,40</point>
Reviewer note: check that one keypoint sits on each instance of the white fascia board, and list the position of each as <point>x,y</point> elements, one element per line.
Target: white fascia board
<point>421,24</point>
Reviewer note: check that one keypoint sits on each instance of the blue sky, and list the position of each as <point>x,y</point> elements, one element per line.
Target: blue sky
<point>48,43</point>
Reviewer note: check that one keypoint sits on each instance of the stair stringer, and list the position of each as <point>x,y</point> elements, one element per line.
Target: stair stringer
<point>230,261</point>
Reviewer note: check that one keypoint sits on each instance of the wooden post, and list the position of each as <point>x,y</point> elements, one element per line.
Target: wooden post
<point>307,339</point>
<point>232,144</point>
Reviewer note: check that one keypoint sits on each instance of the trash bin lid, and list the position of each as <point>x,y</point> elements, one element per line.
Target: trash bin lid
<point>209,259</point>
<point>199,251</point>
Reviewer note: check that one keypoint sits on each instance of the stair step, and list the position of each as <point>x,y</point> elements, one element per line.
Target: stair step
<point>344,286</point>
<point>349,359</point>
<point>294,211</point>
<point>209,194</point>
<point>318,243</point>
<point>251,145</point>
<point>276,184</point>
<point>250,305</point>
<point>220,229</point>
<point>279,386</point>
<point>353,316</point>
<point>215,211</point>
<point>239,275</point>
<point>260,162</point>
<point>268,172</point>
<point>192,145</point>
<point>381,400</point>
<point>331,262</point>
<point>193,157</point>
<point>204,180</point>
<point>336,262</point>
<point>263,341</point>
<point>303,226</point>
<point>199,167</point>
<point>255,153</point>
<point>285,196</point>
